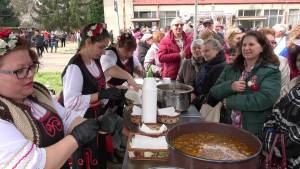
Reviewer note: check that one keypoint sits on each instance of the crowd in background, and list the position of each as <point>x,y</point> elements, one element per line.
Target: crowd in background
<point>255,74</point>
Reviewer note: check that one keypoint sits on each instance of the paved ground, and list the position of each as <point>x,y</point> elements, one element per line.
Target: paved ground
<point>56,62</point>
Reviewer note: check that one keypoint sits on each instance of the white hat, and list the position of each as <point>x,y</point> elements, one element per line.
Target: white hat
<point>146,36</point>
<point>177,20</point>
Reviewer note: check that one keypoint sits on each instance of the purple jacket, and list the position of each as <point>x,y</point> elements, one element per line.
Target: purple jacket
<point>169,54</point>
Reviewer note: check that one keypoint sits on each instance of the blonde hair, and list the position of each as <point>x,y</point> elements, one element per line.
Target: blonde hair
<point>231,32</point>
<point>157,36</point>
<point>206,34</point>
<point>294,34</point>
<point>267,31</point>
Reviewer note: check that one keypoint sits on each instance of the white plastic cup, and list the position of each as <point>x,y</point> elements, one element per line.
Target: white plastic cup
<point>166,80</point>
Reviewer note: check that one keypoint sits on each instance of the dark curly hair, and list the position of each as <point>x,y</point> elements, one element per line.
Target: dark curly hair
<point>266,56</point>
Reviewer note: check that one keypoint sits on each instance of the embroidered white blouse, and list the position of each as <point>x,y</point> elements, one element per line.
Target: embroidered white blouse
<point>18,152</point>
<point>74,101</point>
<point>110,59</point>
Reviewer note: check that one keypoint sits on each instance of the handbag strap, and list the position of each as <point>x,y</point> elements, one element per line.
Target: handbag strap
<point>283,162</point>
<point>270,154</point>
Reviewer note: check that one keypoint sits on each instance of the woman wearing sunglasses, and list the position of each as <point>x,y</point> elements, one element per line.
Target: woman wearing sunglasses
<point>173,48</point>
<point>34,127</point>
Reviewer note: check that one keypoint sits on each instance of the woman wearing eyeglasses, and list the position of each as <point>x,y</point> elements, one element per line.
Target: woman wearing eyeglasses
<point>173,49</point>
<point>119,64</point>
<point>35,131</point>
<point>85,94</point>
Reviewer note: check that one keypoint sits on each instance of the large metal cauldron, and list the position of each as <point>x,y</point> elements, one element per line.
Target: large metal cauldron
<point>180,159</point>
<point>174,94</point>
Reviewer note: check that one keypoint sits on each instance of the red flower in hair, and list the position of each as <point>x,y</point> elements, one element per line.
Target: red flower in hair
<point>8,41</point>
<point>95,30</point>
<point>5,33</point>
<point>124,36</point>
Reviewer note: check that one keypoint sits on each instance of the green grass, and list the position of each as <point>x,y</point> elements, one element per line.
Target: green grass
<point>51,80</point>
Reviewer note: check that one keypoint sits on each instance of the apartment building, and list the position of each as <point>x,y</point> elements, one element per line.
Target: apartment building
<point>248,13</point>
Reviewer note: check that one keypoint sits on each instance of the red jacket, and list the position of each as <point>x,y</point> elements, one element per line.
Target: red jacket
<point>169,54</point>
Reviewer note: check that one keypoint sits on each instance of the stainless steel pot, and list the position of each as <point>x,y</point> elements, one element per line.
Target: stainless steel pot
<point>174,94</point>
<point>181,159</point>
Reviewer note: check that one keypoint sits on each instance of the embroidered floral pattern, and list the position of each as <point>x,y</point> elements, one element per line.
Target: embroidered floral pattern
<point>52,125</point>
<point>8,40</point>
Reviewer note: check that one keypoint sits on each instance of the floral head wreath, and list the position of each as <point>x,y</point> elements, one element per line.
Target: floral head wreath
<point>96,29</point>
<point>124,36</point>
<point>8,41</point>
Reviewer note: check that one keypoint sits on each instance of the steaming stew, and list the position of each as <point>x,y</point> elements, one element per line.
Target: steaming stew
<point>212,146</point>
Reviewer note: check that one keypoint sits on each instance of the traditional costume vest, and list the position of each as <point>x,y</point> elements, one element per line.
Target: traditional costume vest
<point>128,67</point>
<point>43,132</point>
<point>93,154</point>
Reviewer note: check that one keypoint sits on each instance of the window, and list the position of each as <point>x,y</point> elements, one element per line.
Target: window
<point>249,23</point>
<point>294,16</point>
<point>274,16</point>
<point>249,12</point>
<point>241,13</point>
<point>145,14</point>
<point>258,13</point>
<point>166,17</point>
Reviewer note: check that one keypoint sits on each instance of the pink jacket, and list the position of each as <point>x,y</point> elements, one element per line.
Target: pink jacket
<point>169,54</point>
<point>152,59</point>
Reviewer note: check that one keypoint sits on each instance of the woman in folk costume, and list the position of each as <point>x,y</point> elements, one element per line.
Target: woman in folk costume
<point>34,126</point>
<point>119,64</point>
<point>85,94</point>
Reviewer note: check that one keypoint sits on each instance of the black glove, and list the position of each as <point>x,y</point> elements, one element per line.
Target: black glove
<point>108,120</point>
<point>110,93</point>
<point>86,131</point>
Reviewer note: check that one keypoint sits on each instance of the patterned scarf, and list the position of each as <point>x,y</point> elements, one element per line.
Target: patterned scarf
<point>285,119</point>
<point>236,115</point>
<point>197,64</point>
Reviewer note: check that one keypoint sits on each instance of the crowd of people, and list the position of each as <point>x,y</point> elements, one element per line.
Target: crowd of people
<point>42,40</point>
<point>255,74</point>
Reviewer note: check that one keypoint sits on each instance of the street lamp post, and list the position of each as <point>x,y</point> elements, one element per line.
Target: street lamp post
<point>195,19</point>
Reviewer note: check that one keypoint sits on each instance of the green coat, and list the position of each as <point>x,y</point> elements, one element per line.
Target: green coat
<point>254,105</point>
